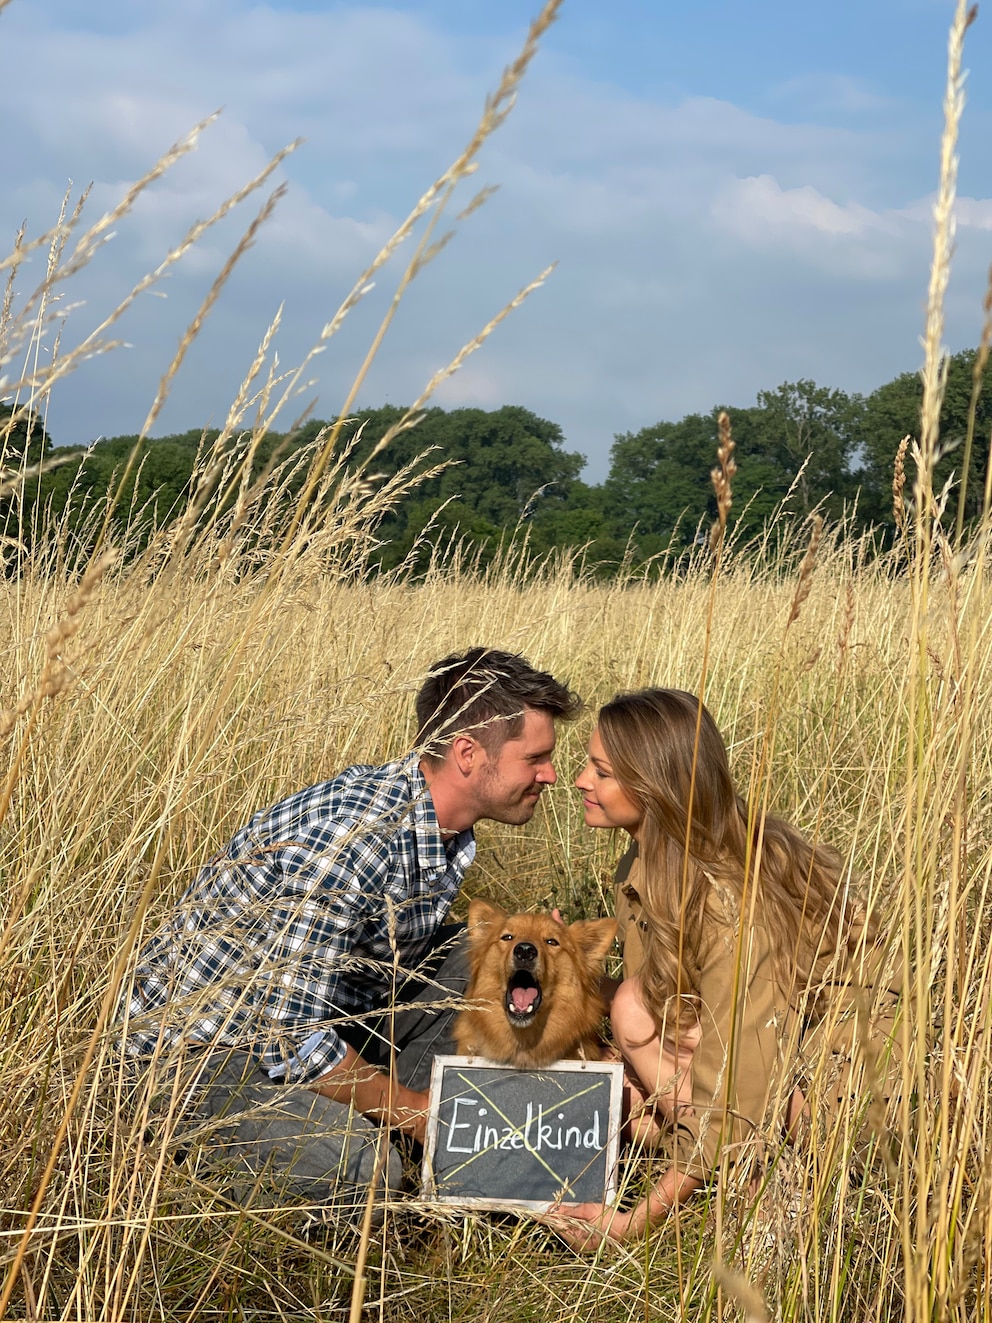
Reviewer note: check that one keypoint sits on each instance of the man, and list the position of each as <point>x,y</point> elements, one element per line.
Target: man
<point>268,999</point>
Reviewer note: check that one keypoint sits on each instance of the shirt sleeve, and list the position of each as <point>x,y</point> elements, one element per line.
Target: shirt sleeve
<point>311,924</point>
<point>349,884</point>
<point>859,1033</point>
<point>629,912</point>
<point>737,1057</point>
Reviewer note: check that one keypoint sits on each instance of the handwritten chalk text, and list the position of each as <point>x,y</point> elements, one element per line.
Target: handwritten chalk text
<point>470,1129</point>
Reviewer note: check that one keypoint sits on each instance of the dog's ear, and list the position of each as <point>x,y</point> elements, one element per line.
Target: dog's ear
<point>482,919</point>
<point>593,937</point>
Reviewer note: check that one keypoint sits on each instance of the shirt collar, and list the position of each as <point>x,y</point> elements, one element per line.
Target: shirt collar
<point>434,851</point>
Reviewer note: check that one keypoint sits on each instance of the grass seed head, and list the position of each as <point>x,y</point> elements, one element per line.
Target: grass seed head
<point>899,484</point>
<point>722,478</point>
<point>805,582</point>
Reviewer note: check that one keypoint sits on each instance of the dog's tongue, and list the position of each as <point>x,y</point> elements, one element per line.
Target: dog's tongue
<point>523,998</point>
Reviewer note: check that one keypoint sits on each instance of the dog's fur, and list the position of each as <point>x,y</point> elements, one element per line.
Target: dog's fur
<point>534,987</point>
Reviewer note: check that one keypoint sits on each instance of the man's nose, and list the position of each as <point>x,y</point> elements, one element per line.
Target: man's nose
<point>546,773</point>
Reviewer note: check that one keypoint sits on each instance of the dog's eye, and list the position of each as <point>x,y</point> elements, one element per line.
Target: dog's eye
<point>507,937</point>
<point>552,941</point>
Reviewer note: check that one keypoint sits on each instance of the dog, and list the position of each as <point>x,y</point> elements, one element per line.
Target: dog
<point>534,987</point>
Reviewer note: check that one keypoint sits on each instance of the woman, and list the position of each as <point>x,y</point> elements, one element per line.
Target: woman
<point>737,939</point>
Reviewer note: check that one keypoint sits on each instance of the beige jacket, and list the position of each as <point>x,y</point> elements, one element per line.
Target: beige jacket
<point>756,1046</point>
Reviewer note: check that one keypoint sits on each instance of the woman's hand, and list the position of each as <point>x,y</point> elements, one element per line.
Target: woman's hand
<point>588,1226</point>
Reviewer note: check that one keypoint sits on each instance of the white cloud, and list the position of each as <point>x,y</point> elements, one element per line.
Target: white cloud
<point>761,211</point>
<point>974,213</point>
<point>830,92</point>
<point>476,386</point>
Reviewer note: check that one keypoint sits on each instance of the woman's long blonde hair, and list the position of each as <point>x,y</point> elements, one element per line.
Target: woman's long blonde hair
<point>663,766</point>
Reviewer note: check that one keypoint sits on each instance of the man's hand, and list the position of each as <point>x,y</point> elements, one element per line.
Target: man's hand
<point>375,1095</point>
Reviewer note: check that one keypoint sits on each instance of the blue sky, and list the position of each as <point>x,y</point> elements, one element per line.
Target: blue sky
<point>736,193</point>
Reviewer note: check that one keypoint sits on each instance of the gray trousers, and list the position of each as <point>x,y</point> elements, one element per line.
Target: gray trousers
<point>272,1139</point>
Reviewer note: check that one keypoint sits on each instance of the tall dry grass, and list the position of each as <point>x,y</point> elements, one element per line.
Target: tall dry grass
<point>152,702</point>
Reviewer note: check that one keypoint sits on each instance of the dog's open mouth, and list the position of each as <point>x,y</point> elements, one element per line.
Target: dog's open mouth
<point>523,997</point>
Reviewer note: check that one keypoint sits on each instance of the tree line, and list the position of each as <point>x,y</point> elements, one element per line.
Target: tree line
<point>508,473</point>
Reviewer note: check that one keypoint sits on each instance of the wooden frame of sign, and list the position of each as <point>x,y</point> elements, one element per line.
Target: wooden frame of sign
<point>503,1138</point>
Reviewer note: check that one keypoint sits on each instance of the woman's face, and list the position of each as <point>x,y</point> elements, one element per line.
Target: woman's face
<point>605,802</point>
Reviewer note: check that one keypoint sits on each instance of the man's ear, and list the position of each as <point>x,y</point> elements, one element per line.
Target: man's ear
<point>465,753</point>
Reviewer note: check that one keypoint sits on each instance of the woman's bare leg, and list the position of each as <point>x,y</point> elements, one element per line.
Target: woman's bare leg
<point>797,1111</point>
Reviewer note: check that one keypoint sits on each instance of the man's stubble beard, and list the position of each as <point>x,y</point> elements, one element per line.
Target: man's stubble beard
<point>496,808</point>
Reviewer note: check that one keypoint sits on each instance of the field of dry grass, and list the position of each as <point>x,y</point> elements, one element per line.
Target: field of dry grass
<point>194,694</point>
<point>150,703</point>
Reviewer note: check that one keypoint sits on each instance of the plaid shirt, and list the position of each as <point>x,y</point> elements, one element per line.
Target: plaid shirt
<point>308,918</point>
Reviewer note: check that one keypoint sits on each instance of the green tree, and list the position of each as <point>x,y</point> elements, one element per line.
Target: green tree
<point>24,445</point>
<point>23,439</point>
<point>152,494</point>
<point>893,411</point>
<point>577,522</point>
<point>812,433</point>
<point>505,468</point>
<point>798,439</point>
<point>658,487</point>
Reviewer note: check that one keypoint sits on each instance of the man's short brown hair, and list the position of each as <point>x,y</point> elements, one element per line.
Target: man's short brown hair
<point>485,693</point>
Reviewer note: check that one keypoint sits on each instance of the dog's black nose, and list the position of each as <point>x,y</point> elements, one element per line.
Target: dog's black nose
<point>525,953</point>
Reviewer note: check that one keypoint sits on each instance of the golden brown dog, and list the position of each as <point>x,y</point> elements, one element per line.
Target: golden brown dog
<point>535,987</point>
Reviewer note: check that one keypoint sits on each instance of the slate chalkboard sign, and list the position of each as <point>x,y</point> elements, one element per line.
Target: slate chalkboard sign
<point>498,1137</point>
